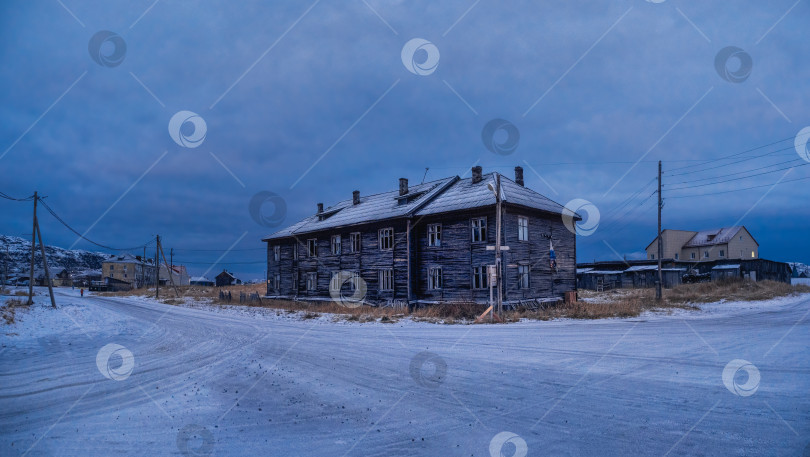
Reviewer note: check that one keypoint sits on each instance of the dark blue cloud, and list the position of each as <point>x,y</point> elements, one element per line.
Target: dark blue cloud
<point>274,105</point>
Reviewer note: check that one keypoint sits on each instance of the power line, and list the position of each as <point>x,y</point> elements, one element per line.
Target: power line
<point>727,165</point>
<point>632,197</point>
<point>739,153</point>
<point>53,213</point>
<point>738,172</point>
<point>180,262</point>
<point>220,250</point>
<point>737,179</point>
<point>741,189</point>
<point>626,216</point>
<point>8,197</point>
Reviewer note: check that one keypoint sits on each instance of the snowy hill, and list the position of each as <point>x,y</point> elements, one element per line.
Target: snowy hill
<point>800,267</point>
<point>17,251</point>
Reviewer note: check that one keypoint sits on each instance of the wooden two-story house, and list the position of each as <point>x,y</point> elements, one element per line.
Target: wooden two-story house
<point>427,244</point>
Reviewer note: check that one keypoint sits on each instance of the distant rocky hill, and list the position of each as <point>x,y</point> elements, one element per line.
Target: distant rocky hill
<point>17,252</point>
<point>800,267</point>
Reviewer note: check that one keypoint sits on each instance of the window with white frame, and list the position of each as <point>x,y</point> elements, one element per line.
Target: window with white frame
<point>387,279</point>
<point>722,253</point>
<point>277,282</point>
<point>434,278</point>
<point>479,229</point>
<point>354,242</point>
<point>523,276</point>
<point>706,254</point>
<point>312,281</point>
<point>355,281</point>
<point>276,253</point>
<point>335,282</point>
<point>523,228</point>
<point>692,255</point>
<point>312,247</point>
<point>479,277</point>
<point>336,245</point>
<point>387,238</point>
<point>434,235</point>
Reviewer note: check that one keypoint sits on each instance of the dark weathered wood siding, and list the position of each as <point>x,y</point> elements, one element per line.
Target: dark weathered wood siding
<point>456,256</point>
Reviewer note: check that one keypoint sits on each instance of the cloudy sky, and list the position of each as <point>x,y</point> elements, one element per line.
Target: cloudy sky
<point>311,100</point>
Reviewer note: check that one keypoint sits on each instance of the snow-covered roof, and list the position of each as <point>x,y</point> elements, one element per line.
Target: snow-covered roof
<point>435,197</point>
<point>713,237</point>
<point>123,258</point>
<point>583,270</point>
<point>603,272</point>
<point>726,267</point>
<point>642,268</point>
<point>464,194</point>
<point>651,268</point>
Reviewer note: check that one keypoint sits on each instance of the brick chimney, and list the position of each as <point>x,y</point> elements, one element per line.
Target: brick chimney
<point>320,208</point>
<point>403,186</point>
<point>356,197</point>
<point>476,174</point>
<point>519,175</point>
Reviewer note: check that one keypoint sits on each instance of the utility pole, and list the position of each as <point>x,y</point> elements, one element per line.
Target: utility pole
<point>157,269</point>
<point>171,276</point>
<point>143,269</point>
<point>33,246</point>
<point>660,283</point>
<point>498,242</point>
<point>45,264</point>
<point>5,276</point>
<point>36,233</point>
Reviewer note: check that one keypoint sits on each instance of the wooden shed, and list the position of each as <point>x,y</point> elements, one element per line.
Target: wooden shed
<point>600,279</point>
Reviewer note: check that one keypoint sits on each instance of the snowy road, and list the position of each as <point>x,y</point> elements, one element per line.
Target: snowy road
<point>236,383</point>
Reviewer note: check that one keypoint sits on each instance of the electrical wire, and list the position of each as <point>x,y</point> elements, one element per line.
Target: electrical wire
<point>53,213</point>
<point>737,179</point>
<point>219,250</point>
<point>8,197</point>
<point>737,173</point>
<point>738,190</point>
<point>739,153</point>
<point>728,165</point>
<point>219,263</point>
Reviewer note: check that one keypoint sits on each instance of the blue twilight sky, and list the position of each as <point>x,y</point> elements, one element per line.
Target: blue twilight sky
<point>592,87</point>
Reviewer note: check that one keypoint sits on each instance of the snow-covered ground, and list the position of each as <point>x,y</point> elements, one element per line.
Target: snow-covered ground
<point>237,381</point>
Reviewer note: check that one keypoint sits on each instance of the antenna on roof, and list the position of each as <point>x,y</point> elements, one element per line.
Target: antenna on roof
<point>425,175</point>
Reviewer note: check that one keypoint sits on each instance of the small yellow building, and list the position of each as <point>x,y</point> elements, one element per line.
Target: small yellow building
<point>129,269</point>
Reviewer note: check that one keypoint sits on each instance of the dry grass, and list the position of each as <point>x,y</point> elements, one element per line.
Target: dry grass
<point>10,309</point>
<point>732,290</point>
<point>619,303</point>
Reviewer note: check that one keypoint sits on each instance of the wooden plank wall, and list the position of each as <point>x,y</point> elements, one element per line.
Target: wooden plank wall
<point>456,256</point>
